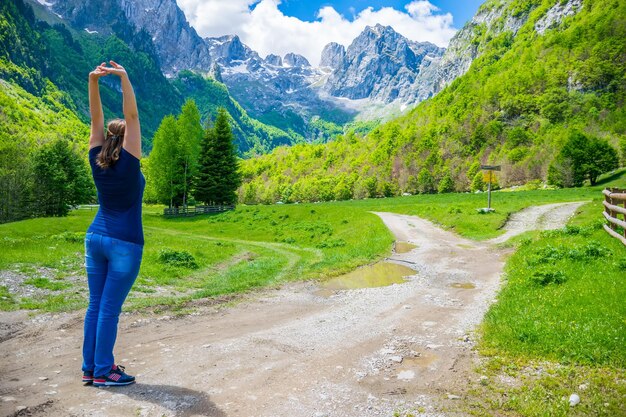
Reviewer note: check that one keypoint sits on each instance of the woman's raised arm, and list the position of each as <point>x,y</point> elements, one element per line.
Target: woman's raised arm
<point>96,138</point>
<point>132,137</point>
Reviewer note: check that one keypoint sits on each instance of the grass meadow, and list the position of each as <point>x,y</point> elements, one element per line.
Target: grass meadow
<point>558,325</point>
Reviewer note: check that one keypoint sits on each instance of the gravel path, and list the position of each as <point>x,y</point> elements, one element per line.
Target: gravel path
<point>549,216</point>
<point>282,352</point>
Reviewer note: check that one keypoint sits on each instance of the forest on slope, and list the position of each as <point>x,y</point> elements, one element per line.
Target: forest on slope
<point>517,106</point>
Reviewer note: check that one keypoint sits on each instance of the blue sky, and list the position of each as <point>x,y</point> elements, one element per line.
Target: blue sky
<point>306,10</point>
<point>306,26</point>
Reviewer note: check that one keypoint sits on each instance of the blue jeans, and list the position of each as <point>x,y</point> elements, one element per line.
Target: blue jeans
<point>112,267</point>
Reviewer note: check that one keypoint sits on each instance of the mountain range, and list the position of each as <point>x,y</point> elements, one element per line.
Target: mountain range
<point>380,74</point>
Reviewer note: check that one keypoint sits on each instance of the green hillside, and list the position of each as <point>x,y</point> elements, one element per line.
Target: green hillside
<point>28,125</point>
<point>253,137</point>
<point>517,105</point>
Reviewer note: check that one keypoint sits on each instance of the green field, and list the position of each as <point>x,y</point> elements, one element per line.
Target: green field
<point>252,246</point>
<point>226,253</point>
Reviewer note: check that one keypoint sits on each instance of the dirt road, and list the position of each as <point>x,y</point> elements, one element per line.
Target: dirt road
<point>282,352</point>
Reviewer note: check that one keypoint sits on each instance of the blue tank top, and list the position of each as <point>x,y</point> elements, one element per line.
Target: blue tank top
<point>120,191</point>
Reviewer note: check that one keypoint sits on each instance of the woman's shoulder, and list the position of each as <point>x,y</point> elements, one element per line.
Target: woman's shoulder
<point>129,155</point>
<point>93,153</point>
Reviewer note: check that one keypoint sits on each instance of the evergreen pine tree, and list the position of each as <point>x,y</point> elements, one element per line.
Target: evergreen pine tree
<point>219,175</point>
<point>207,176</point>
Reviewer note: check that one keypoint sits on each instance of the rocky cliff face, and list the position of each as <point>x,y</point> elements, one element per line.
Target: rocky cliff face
<point>227,49</point>
<point>556,14</point>
<point>274,60</point>
<point>176,43</point>
<point>380,64</point>
<point>333,56</point>
<point>295,60</point>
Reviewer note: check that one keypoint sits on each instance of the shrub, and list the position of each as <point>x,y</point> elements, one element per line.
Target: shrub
<point>176,258</point>
<point>544,278</point>
<point>477,183</point>
<point>446,185</point>
<point>331,243</point>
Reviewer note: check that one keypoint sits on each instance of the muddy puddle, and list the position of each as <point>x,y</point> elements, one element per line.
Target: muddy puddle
<point>404,247</point>
<point>422,361</point>
<point>463,285</point>
<point>380,274</point>
<point>411,367</point>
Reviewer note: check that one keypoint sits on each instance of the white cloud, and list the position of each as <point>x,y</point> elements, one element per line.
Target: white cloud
<point>263,27</point>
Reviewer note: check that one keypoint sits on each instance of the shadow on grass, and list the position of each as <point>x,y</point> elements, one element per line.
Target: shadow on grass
<point>183,402</point>
<point>612,177</point>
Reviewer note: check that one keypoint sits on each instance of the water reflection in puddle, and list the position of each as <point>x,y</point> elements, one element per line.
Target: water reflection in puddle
<point>380,274</point>
<point>422,361</point>
<point>409,365</point>
<point>463,285</point>
<point>404,247</point>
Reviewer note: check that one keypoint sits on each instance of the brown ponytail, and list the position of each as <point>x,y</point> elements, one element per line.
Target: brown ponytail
<point>112,145</point>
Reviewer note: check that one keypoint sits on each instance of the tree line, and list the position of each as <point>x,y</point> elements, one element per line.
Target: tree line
<point>191,163</point>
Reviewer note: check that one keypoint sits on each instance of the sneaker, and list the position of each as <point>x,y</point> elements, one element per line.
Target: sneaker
<point>87,377</point>
<point>117,376</point>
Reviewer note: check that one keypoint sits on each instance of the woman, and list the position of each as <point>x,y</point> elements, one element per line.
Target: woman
<point>114,241</point>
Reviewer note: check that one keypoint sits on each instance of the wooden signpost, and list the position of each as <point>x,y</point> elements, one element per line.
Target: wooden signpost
<point>489,168</point>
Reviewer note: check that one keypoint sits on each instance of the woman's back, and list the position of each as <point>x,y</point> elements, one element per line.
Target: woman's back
<point>120,192</point>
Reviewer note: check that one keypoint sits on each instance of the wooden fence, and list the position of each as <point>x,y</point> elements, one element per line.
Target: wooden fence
<point>614,205</point>
<point>194,211</point>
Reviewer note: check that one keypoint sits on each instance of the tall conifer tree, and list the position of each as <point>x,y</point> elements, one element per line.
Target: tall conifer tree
<point>219,175</point>
<point>206,181</point>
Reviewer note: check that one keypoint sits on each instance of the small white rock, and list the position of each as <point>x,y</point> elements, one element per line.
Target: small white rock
<point>7,399</point>
<point>20,408</point>
<point>43,378</point>
<point>453,397</point>
<point>573,400</point>
<point>406,375</point>
<point>397,359</point>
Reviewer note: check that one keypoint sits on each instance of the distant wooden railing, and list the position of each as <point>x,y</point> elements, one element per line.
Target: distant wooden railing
<point>614,198</point>
<point>193,211</point>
